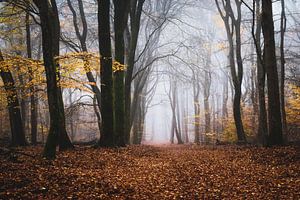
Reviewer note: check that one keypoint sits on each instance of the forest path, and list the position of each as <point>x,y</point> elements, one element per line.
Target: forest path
<point>154,172</point>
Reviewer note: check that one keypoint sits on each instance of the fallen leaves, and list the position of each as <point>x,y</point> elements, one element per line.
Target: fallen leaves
<point>160,172</point>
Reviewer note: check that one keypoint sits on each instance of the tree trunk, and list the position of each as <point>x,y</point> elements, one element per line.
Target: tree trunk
<point>50,40</point>
<point>237,114</point>
<point>282,66</point>
<point>135,16</point>
<point>253,94</point>
<point>196,112</point>
<point>186,115</point>
<point>107,110</point>
<point>274,113</point>
<point>233,30</point>
<point>15,118</point>
<point>172,130</point>
<point>121,8</point>
<point>173,103</point>
<point>261,76</point>
<point>224,103</point>
<point>207,114</point>
<point>179,119</point>
<point>138,124</point>
<point>82,36</point>
<point>33,108</point>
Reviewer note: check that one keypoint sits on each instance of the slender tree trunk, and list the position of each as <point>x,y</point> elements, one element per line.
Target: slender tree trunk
<point>262,117</point>
<point>207,114</point>
<point>173,103</point>
<point>97,112</point>
<point>235,59</point>
<point>172,130</point>
<point>15,118</point>
<point>237,114</point>
<point>82,36</point>
<point>71,115</point>
<point>33,109</point>
<point>274,113</point>
<point>206,93</point>
<point>224,104</point>
<point>253,94</point>
<point>175,125</point>
<point>197,113</point>
<point>178,118</point>
<point>135,16</point>
<point>186,115</point>
<point>213,112</point>
<point>261,75</point>
<point>107,110</point>
<point>282,66</point>
<point>238,85</point>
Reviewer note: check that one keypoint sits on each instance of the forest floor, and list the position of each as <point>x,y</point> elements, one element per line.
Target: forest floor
<point>153,172</point>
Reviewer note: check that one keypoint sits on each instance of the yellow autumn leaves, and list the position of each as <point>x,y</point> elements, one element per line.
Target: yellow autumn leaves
<point>72,68</point>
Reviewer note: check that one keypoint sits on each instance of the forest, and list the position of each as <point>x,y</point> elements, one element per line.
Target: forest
<point>149,99</point>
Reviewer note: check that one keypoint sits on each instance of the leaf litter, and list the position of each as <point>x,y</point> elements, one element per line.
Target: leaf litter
<point>154,172</point>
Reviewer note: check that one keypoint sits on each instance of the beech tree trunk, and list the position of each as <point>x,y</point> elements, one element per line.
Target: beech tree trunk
<point>232,22</point>
<point>15,118</point>
<point>121,8</point>
<point>135,16</point>
<point>33,107</point>
<point>107,109</point>
<point>206,94</point>
<point>261,74</point>
<point>274,112</point>
<point>196,91</point>
<point>173,103</point>
<point>282,67</point>
<point>50,45</point>
<point>224,103</point>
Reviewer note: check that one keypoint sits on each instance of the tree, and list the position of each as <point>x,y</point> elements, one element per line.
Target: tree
<point>107,110</point>
<point>33,106</point>
<point>256,29</point>
<point>50,43</point>
<point>196,92</point>
<point>274,113</point>
<point>121,8</point>
<point>172,95</point>
<point>82,37</point>
<point>206,86</point>
<point>135,13</point>
<point>232,22</point>
<point>261,75</point>
<point>15,118</point>
<point>282,66</point>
